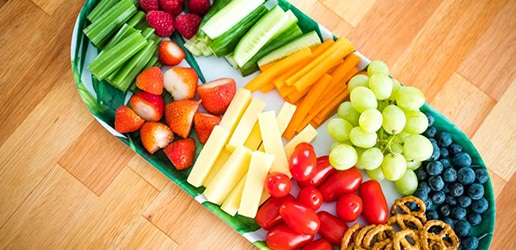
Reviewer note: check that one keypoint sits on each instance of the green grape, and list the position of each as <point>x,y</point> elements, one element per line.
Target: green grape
<point>363,99</point>
<point>361,138</point>
<point>370,120</point>
<point>393,119</point>
<point>370,159</point>
<point>343,157</point>
<point>417,147</point>
<point>336,143</point>
<point>382,105</point>
<point>360,151</point>
<point>396,85</point>
<point>339,129</point>
<point>377,67</point>
<point>411,164</point>
<point>358,80</point>
<point>346,111</point>
<point>402,135</point>
<point>407,185</point>
<point>394,166</point>
<point>376,174</point>
<point>397,148</point>
<point>381,85</point>
<point>410,98</point>
<point>417,122</point>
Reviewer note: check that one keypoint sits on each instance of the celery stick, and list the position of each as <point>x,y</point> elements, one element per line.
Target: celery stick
<point>113,58</point>
<point>136,19</point>
<point>123,33</point>
<point>100,9</point>
<point>128,74</point>
<point>152,62</point>
<point>147,32</point>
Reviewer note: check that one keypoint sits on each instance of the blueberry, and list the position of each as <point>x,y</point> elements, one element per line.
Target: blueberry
<point>480,206</point>
<point>474,219</point>
<point>432,215</point>
<point>482,175</point>
<point>428,203</point>
<point>438,197</point>
<point>456,189</point>
<point>462,159</point>
<point>446,189</point>
<point>444,152</point>
<point>430,132</point>
<point>450,200</point>
<point>436,153</point>
<point>458,213</point>
<point>444,210</point>
<point>421,194</point>
<point>454,149</point>
<point>448,221</point>
<point>462,228</point>
<point>434,168</point>
<point>421,174</point>
<point>430,118</point>
<point>444,139</point>
<point>464,201</point>
<point>470,243</point>
<point>476,191</point>
<point>449,175</point>
<point>446,163</point>
<point>424,184</point>
<point>436,183</point>
<point>466,176</point>
<point>412,206</point>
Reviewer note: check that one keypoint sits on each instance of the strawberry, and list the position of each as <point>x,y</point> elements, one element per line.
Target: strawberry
<point>181,83</point>
<point>204,124</point>
<point>170,54</point>
<point>126,120</point>
<point>199,7</point>
<point>148,106</point>
<point>155,135</point>
<point>187,24</point>
<point>162,22</point>
<point>174,7</point>
<point>150,80</point>
<point>216,95</point>
<point>148,5</point>
<point>181,153</point>
<point>179,116</point>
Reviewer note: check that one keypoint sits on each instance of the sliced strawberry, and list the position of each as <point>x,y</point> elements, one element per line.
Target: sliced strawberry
<point>204,124</point>
<point>216,95</point>
<point>150,80</point>
<point>181,83</point>
<point>170,54</point>
<point>155,135</point>
<point>148,106</point>
<point>179,116</point>
<point>181,153</point>
<point>126,120</point>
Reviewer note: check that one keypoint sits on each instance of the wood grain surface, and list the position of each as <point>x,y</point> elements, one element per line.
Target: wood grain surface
<point>67,183</point>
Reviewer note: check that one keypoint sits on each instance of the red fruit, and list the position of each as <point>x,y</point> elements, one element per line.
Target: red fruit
<point>299,218</point>
<point>181,153</point>
<point>174,7</point>
<point>179,116</point>
<point>181,83</point>
<point>126,120</point>
<point>148,106</point>
<point>187,24</point>
<point>332,228</point>
<point>155,135</point>
<point>150,80</point>
<point>320,244</point>
<point>170,54</point>
<point>204,124</point>
<point>199,7</point>
<point>349,207</point>
<point>216,95</point>
<point>277,184</point>
<point>284,238</point>
<point>162,22</point>
<point>303,162</point>
<point>310,197</point>
<point>148,5</point>
<point>268,214</point>
<point>376,210</point>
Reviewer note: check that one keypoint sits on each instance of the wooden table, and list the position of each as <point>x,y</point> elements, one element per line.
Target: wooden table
<point>66,182</point>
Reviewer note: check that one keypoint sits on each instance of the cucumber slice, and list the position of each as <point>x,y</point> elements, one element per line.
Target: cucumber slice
<point>229,16</point>
<point>307,40</point>
<point>266,29</point>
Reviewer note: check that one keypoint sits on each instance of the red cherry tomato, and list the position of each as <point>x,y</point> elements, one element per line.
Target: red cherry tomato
<point>332,228</point>
<point>303,162</point>
<point>268,214</point>
<point>301,219</point>
<point>283,237</point>
<point>310,197</point>
<point>320,244</point>
<point>375,206</point>
<point>323,170</point>
<point>339,183</point>
<point>278,184</point>
<point>349,207</point>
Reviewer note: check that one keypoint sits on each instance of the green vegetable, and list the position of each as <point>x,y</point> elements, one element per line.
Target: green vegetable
<point>137,63</point>
<point>138,18</point>
<point>100,9</point>
<point>122,33</point>
<point>307,40</point>
<point>217,5</point>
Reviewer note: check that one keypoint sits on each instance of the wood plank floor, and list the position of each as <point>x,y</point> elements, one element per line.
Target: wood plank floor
<point>67,183</point>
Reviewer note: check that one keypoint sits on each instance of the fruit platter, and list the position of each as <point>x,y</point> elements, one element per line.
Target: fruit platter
<point>284,131</point>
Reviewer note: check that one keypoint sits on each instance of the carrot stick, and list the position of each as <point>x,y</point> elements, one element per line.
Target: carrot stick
<point>286,90</point>
<point>322,47</point>
<point>267,87</point>
<point>296,95</point>
<point>332,106</point>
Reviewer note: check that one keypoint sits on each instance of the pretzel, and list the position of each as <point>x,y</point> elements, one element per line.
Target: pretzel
<point>377,235</point>
<point>401,241</point>
<point>349,236</point>
<point>400,207</point>
<point>445,238</point>
<point>383,245</point>
<point>406,221</point>
<point>359,237</point>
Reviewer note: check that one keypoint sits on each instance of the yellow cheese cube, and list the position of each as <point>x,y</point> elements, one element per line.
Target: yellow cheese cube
<point>306,135</point>
<point>284,116</point>
<point>223,157</point>
<point>231,204</point>
<point>235,110</point>
<point>256,175</point>
<point>272,142</point>
<point>246,123</point>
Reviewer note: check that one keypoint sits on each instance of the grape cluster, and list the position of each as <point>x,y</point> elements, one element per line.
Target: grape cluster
<point>451,187</point>
<point>379,129</point>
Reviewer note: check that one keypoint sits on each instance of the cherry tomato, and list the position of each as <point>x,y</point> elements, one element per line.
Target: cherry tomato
<point>303,162</point>
<point>332,228</point>
<point>323,170</point>
<point>301,219</point>
<point>268,214</point>
<point>320,244</point>
<point>339,183</point>
<point>278,184</point>
<point>283,237</point>
<point>349,207</point>
<point>310,197</point>
<point>375,209</point>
